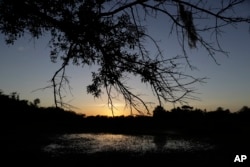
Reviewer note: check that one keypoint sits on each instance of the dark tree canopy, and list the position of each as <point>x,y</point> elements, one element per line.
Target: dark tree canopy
<point>112,35</point>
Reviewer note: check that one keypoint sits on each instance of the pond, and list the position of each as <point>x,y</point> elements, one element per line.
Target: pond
<point>90,143</point>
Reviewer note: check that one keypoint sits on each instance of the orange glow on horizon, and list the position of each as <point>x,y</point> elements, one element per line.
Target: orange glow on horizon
<point>103,110</point>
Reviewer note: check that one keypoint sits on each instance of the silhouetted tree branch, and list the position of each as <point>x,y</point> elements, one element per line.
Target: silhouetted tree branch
<point>113,34</point>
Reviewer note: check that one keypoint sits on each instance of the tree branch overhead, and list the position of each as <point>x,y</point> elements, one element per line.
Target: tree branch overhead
<point>111,35</point>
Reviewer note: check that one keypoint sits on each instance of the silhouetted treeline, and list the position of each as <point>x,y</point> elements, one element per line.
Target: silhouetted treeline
<point>24,116</point>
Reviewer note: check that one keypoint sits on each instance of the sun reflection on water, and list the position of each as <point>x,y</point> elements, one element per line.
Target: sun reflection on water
<point>93,143</point>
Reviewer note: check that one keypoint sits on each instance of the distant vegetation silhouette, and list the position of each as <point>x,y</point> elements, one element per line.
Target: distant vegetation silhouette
<point>24,116</point>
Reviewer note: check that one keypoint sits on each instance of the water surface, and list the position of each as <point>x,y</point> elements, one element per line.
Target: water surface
<point>106,142</point>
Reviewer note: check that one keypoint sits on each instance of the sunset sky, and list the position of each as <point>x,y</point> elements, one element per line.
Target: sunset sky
<point>26,66</point>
